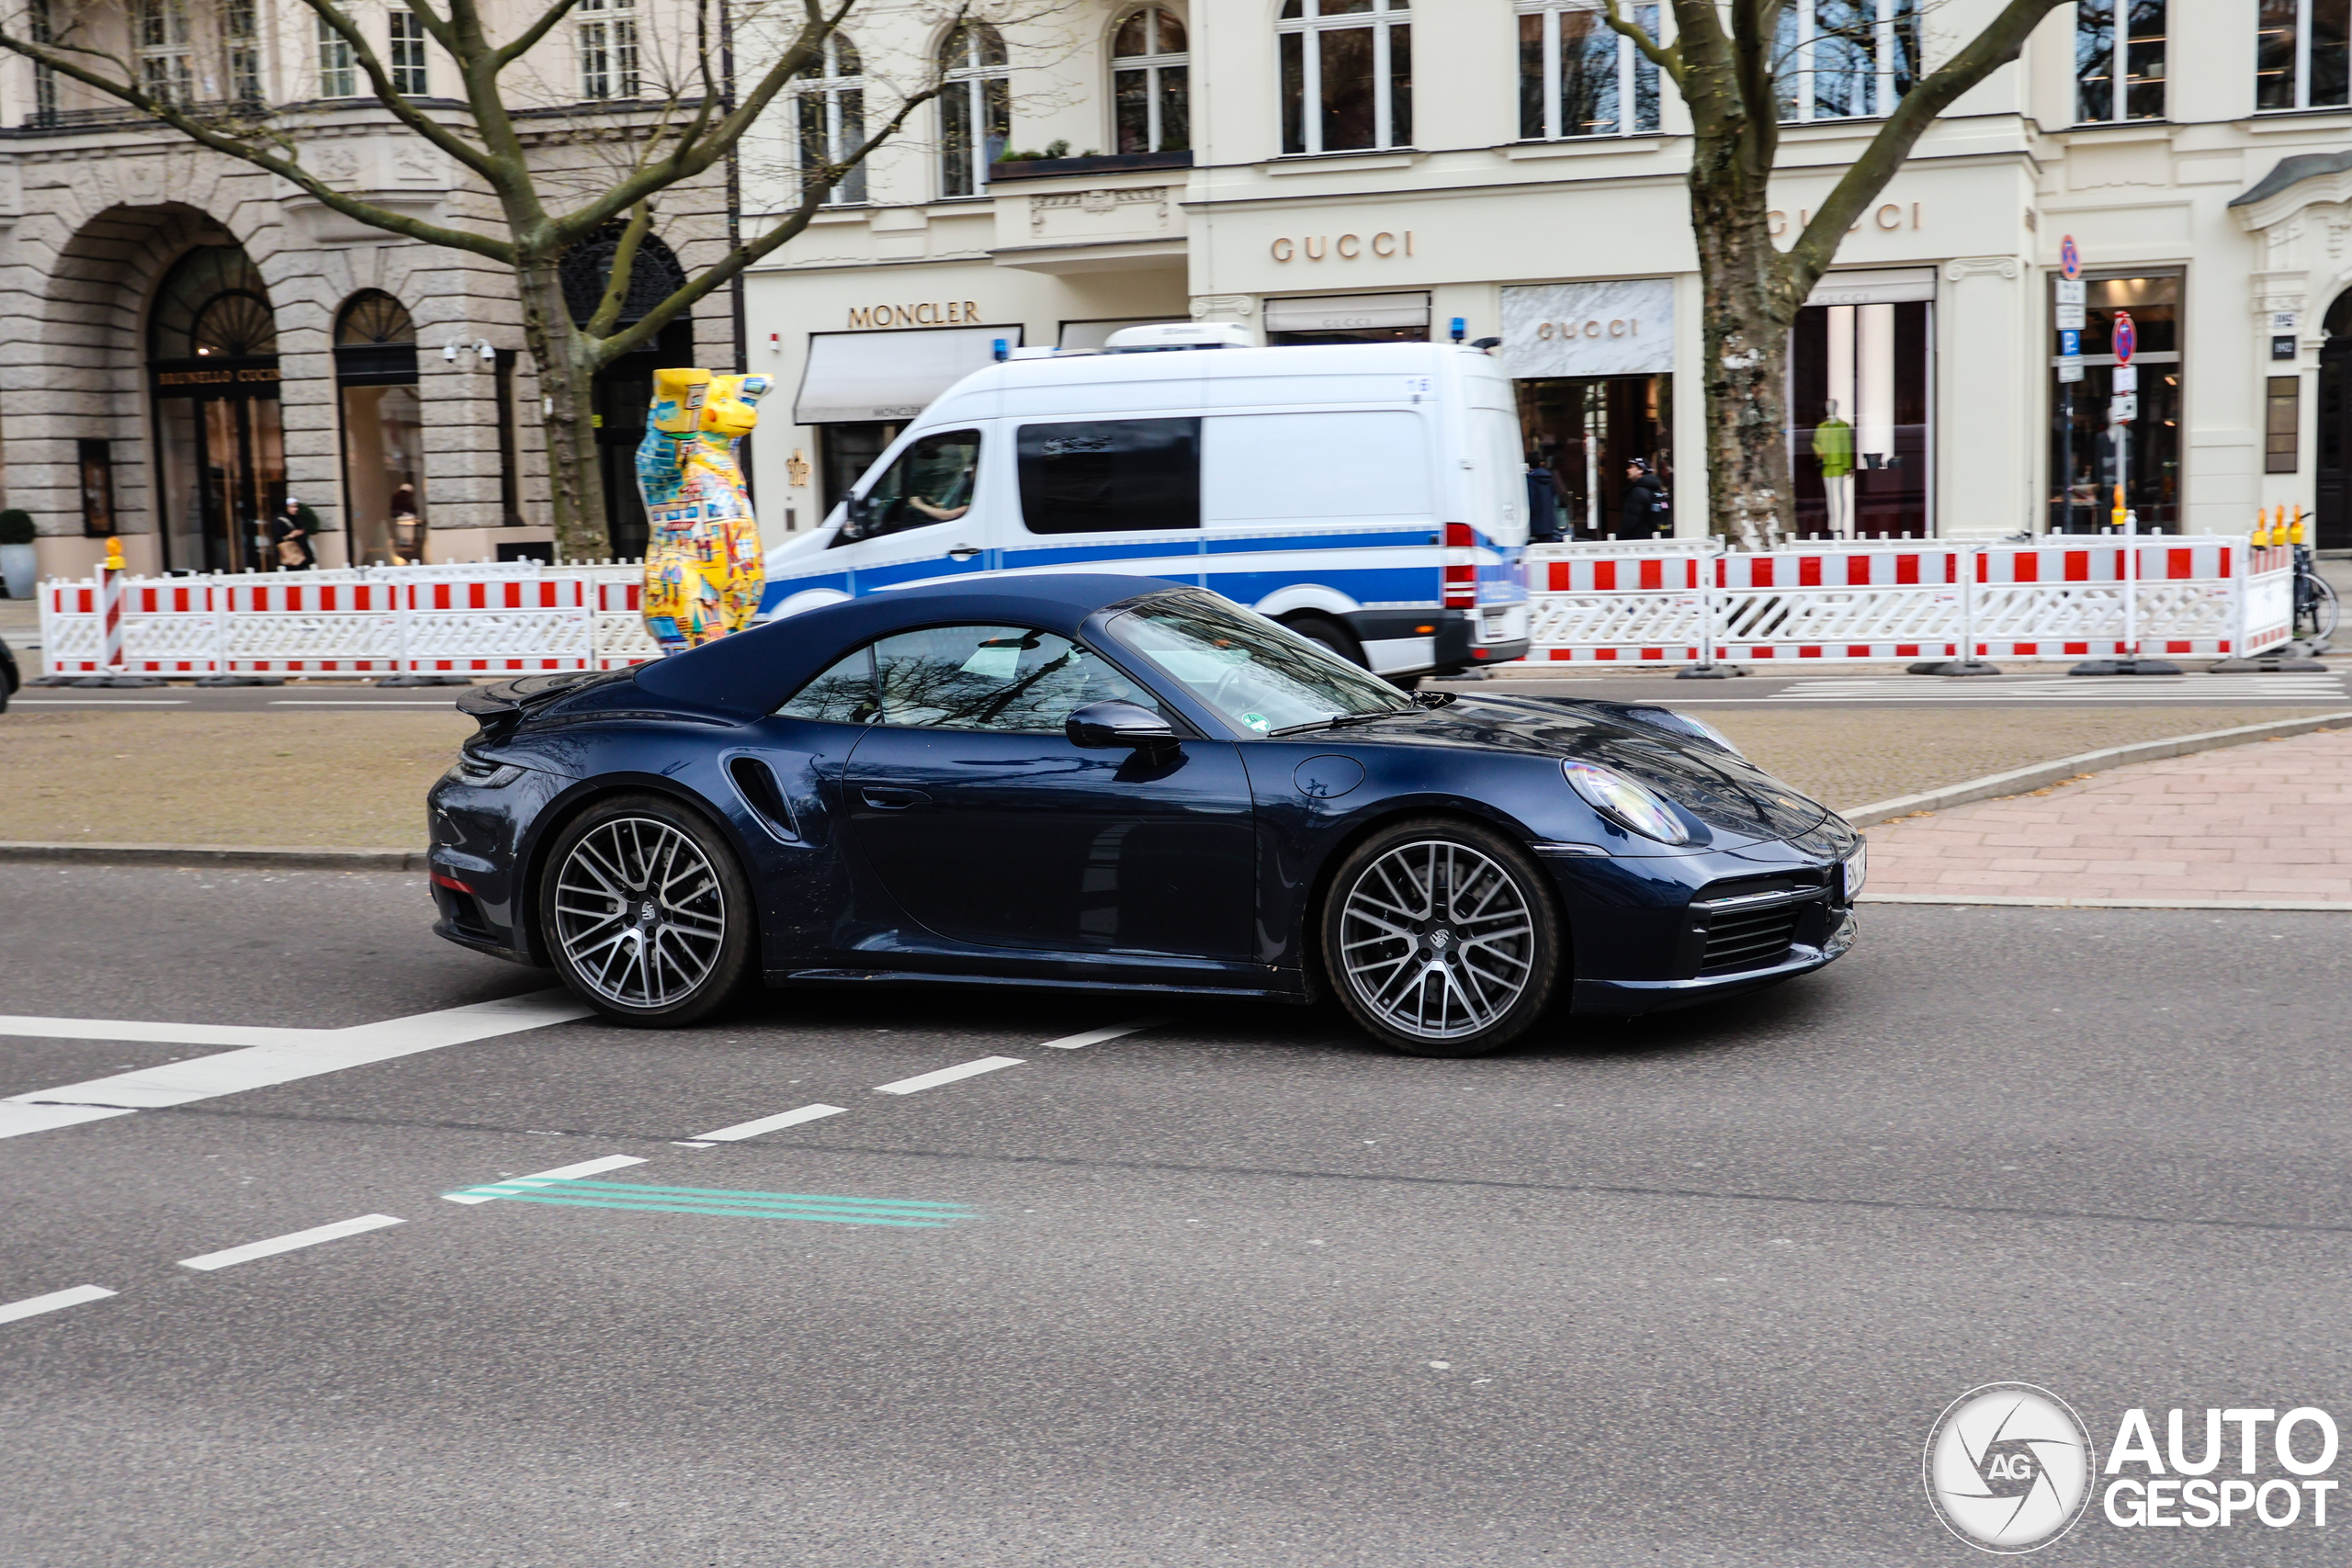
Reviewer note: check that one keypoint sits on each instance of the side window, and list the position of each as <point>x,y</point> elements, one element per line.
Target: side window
<point>1003,677</point>
<point>843,694</point>
<point>931,482</point>
<point>1096,476</point>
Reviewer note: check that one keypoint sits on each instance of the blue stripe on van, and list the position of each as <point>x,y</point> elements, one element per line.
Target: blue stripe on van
<point>1055,555</point>
<point>1226,544</point>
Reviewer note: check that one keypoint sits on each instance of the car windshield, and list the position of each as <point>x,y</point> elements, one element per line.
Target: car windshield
<point>1259,676</point>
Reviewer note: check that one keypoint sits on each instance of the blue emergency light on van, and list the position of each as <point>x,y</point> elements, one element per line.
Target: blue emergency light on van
<point>1370,496</point>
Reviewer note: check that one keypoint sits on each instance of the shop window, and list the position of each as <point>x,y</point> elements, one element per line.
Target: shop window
<point>510,466</point>
<point>383,431</point>
<point>1579,77</point>
<point>2301,50</point>
<point>2282,425</point>
<point>975,109</point>
<point>1857,410</point>
<point>1150,83</point>
<point>97,461</point>
<point>1095,475</point>
<point>338,76</point>
<point>606,34</point>
<point>1347,74</point>
<point>1580,436</point>
<point>1846,58</point>
<point>409,75</point>
<point>831,99</point>
<point>2087,456</point>
<point>2118,60</point>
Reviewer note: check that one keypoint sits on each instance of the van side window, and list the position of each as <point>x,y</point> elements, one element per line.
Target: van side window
<point>931,482</point>
<point>1110,475</point>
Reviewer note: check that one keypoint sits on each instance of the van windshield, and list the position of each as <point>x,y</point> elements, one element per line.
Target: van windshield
<point>929,482</point>
<point>1261,677</point>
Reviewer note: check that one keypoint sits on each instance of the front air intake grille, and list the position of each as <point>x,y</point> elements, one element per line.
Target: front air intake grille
<point>1749,938</point>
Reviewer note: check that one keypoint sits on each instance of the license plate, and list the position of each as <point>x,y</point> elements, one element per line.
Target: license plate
<point>1857,868</point>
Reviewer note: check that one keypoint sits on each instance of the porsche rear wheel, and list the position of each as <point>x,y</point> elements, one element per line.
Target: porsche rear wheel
<point>645,912</point>
<point>1441,938</point>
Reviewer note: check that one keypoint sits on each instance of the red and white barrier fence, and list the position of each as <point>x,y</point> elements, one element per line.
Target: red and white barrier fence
<point>512,619</point>
<point>2066,598</point>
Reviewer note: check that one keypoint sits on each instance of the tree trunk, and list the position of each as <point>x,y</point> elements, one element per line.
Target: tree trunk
<point>567,386</point>
<point>1745,318</point>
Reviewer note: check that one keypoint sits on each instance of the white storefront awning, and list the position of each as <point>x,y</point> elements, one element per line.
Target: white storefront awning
<point>1876,285</point>
<point>853,376</point>
<point>1339,312</point>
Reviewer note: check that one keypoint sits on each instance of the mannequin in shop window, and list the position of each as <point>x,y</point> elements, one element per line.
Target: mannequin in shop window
<point>408,528</point>
<point>1833,442</point>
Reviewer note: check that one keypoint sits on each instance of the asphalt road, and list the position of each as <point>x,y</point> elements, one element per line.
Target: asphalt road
<point>1237,1290</point>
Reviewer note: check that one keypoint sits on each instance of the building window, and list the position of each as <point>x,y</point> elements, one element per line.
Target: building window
<point>2282,425</point>
<point>2118,60</point>
<point>1847,59</point>
<point>241,41</point>
<point>164,71</point>
<point>337,76</point>
<point>607,39</point>
<point>409,78</point>
<point>832,117</point>
<point>1858,414</point>
<point>1347,69</point>
<point>1150,83</point>
<point>975,109</point>
<point>44,77</point>
<point>383,430</point>
<point>2300,54</point>
<point>1577,77</point>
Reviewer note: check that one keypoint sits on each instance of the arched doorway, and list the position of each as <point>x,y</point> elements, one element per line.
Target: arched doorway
<point>383,429</point>
<point>220,448</point>
<point>2331,484</point>
<point>624,388</point>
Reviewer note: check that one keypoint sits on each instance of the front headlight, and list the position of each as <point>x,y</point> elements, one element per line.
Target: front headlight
<point>1629,805</point>
<point>1857,869</point>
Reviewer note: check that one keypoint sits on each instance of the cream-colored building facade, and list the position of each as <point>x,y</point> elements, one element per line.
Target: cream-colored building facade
<point>1500,165</point>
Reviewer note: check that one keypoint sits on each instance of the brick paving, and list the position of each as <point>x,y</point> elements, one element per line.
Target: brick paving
<point>2270,821</point>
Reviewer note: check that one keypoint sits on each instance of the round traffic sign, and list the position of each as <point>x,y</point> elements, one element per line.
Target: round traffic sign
<point>2127,337</point>
<point>2070,259</point>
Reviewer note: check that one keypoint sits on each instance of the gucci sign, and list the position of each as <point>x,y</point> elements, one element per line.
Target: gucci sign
<point>1346,247</point>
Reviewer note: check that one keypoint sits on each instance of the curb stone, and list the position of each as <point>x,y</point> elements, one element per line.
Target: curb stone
<point>217,854</point>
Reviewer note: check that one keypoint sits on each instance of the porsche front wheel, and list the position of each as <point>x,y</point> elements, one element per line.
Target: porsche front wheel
<point>1441,938</point>
<point>645,912</point>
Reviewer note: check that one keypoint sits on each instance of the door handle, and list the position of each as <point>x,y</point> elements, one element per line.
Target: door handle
<point>962,552</point>
<point>889,797</point>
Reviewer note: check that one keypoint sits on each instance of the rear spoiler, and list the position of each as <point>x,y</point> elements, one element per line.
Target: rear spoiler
<point>498,709</point>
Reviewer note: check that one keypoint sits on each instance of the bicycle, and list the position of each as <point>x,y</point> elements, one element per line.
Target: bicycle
<point>2315,602</point>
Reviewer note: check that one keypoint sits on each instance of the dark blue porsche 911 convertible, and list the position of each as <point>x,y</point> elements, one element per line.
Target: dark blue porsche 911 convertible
<point>1122,784</point>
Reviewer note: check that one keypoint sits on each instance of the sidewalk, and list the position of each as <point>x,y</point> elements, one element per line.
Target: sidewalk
<point>2266,822</point>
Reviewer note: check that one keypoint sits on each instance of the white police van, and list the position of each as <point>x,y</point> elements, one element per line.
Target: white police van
<point>1372,496</point>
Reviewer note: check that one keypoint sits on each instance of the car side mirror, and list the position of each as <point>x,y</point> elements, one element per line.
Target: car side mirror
<point>1099,727</point>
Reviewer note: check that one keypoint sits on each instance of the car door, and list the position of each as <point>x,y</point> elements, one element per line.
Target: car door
<point>924,516</point>
<point>978,818</point>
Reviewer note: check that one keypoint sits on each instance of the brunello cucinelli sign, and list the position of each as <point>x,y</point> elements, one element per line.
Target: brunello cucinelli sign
<point>1623,328</point>
<point>223,378</point>
<point>926,313</point>
<point>1379,247</point>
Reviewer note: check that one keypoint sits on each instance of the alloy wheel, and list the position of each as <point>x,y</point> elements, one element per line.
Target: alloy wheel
<point>1437,940</point>
<point>640,912</point>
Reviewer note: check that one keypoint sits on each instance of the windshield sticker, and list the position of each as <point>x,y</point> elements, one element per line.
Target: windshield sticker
<point>1256,721</point>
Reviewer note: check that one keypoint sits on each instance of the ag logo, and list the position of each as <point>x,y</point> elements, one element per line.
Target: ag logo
<point>2008,1467</point>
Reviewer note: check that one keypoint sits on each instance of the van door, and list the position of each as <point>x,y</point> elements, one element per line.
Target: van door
<point>1119,495</point>
<point>923,516</point>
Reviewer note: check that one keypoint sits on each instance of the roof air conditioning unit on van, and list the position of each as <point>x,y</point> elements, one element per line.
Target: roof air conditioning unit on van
<point>1177,334</point>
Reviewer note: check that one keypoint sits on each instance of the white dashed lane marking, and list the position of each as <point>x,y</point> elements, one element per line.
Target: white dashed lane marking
<point>1098,1036</point>
<point>742,1129</point>
<point>947,1075</point>
<point>233,1255</point>
<point>542,1178</point>
<point>33,1306</point>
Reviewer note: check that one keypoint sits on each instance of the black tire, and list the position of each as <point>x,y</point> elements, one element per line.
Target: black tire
<point>1328,633</point>
<point>1419,970</point>
<point>645,912</point>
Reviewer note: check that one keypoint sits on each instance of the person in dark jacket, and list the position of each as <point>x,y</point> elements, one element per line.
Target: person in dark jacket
<point>1644,513</point>
<point>1543,501</point>
<point>289,538</point>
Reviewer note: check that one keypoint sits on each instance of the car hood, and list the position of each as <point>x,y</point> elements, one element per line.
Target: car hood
<point>1730,794</point>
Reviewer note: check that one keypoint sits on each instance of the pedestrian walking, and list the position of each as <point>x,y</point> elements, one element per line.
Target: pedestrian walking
<point>1644,512</point>
<point>290,533</point>
<point>1543,501</point>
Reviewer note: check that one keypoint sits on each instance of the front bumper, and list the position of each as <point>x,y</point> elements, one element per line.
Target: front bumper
<point>1662,996</point>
